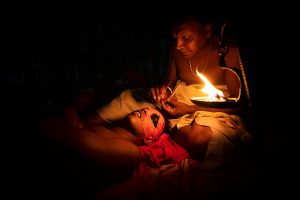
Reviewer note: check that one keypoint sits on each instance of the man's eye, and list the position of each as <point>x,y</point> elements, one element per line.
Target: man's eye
<point>187,39</point>
<point>155,119</point>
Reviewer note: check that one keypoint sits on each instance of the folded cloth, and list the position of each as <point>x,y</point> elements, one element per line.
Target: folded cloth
<point>163,151</point>
<point>228,134</point>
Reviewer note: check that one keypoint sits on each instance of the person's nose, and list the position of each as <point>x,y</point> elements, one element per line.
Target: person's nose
<point>145,111</point>
<point>179,44</point>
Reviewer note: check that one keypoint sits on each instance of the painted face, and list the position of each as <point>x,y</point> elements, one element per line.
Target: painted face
<point>189,38</point>
<point>148,123</point>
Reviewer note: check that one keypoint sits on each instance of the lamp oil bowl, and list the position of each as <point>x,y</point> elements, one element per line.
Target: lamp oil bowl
<point>215,103</point>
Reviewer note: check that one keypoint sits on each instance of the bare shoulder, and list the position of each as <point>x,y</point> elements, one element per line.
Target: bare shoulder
<point>233,82</point>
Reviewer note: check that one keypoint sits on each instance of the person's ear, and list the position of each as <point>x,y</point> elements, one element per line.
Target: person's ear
<point>148,140</point>
<point>208,29</point>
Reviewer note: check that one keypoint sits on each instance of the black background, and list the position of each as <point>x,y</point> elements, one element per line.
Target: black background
<point>50,49</point>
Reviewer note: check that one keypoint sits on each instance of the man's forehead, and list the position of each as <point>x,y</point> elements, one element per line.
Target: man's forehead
<point>188,27</point>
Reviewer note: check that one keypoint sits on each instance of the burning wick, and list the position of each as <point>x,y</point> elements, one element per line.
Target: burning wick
<point>213,94</point>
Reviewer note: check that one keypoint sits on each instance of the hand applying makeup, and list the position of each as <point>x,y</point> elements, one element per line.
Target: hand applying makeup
<point>160,94</point>
<point>176,108</point>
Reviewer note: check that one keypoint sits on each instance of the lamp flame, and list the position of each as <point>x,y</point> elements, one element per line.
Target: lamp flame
<point>213,94</point>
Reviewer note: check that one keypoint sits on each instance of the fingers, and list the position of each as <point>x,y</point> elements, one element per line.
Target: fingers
<point>158,93</point>
<point>173,99</point>
<point>163,92</point>
<point>152,94</point>
<point>168,107</point>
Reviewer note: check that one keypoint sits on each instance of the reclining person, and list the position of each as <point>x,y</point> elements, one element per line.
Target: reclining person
<point>212,138</point>
<point>138,144</point>
<point>123,146</point>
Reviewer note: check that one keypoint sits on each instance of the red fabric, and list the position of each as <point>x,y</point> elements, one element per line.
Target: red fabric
<point>163,151</point>
<point>159,174</point>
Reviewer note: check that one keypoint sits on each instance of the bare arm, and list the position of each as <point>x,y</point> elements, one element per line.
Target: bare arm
<point>106,149</point>
<point>93,120</point>
<point>176,108</point>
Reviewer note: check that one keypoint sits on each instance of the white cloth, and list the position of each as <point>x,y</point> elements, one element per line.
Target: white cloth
<point>128,101</point>
<point>228,133</point>
<point>184,92</point>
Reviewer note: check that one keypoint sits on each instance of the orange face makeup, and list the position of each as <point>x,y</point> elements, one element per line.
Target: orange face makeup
<point>147,123</point>
<point>153,125</point>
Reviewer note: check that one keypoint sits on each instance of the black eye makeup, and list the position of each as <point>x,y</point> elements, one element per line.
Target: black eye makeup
<point>155,118</point>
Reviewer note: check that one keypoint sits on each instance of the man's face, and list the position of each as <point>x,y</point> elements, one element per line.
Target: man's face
<point>147,122</point>
<point>189,38</point>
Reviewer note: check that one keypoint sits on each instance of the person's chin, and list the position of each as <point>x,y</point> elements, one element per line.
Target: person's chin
<point>187,56</point>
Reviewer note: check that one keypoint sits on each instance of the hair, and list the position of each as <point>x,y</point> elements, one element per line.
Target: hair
<point>199,18</point>
<point>207,13</point>
<point>202,18</point>
<point>167,126</point>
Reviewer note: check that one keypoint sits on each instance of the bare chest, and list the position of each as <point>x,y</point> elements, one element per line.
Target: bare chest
<point>186,71</point>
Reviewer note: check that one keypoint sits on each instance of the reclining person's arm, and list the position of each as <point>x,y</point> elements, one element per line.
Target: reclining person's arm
<point>106,149</point>
<point>93,120</point>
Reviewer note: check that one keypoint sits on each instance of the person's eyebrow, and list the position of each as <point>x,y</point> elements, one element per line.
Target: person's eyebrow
<point>155,119</point>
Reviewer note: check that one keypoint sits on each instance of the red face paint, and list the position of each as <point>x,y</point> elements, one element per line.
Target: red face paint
<point>147,123</point>
<point>151,129</point>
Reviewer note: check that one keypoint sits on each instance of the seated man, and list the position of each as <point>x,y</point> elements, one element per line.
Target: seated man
<point>195,48</point>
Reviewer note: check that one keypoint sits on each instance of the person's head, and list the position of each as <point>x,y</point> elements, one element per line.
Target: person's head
<point>191,34</point>
<point>148,123</point>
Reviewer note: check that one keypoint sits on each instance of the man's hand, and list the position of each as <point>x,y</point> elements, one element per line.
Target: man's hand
<point>176,108</point>
<point>159,93</point>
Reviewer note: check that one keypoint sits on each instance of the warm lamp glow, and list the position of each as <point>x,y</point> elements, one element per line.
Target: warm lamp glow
<point>213,94</point>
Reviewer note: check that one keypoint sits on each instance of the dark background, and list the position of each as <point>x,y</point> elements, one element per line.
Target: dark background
<point>89,44</point>
<point>50,50</point>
